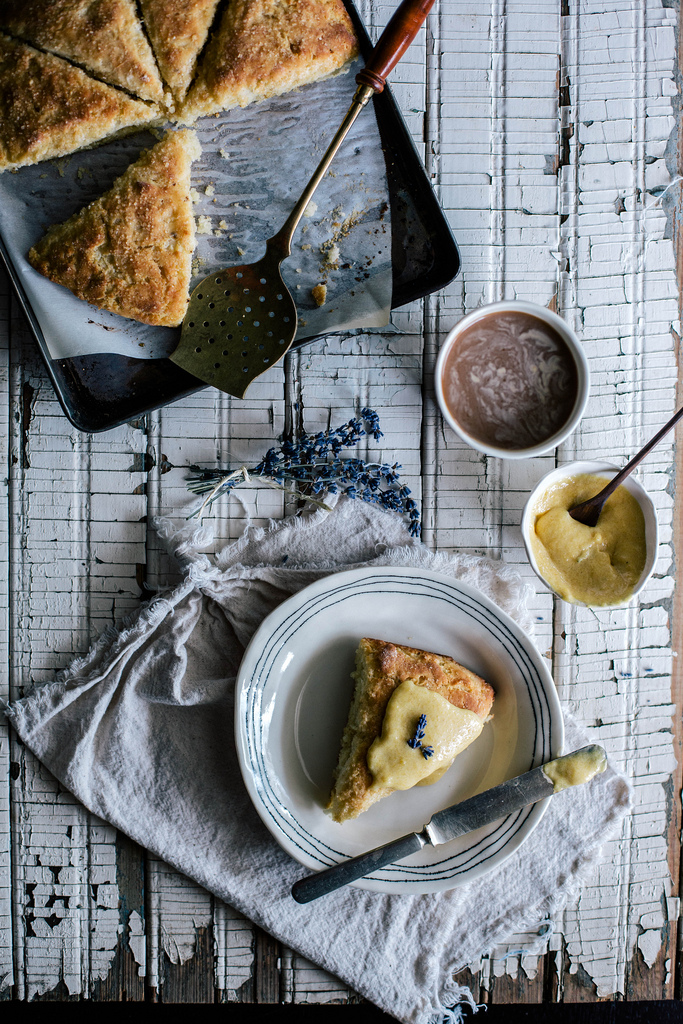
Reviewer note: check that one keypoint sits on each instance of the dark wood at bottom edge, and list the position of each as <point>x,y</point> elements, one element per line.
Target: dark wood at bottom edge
<point>652,1012</point>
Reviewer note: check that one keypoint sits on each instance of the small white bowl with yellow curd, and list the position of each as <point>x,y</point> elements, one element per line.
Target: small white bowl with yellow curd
<point>604,566</point>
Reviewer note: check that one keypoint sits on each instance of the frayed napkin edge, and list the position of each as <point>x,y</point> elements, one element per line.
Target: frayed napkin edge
<point>454,997</point>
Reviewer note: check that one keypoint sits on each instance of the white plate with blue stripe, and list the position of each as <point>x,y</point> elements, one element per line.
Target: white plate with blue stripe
<point>293,693</point>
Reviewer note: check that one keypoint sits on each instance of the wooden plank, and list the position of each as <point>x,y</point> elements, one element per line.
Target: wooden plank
<point>481,103</point>
<point>200,949</point>
<point>65,861</point>
<point>626,687</point>
<point>7,768</point>
<point>234,944</point>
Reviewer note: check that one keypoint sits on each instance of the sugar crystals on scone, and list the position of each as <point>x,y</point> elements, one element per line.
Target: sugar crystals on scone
<point>130,251</point>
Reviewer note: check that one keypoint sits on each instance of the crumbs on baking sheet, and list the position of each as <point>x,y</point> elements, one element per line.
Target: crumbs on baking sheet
<point>203,225</point>
<point>209,190</point>
<point>331,254</point>
<point>61,165</point>
<point>319,293</point>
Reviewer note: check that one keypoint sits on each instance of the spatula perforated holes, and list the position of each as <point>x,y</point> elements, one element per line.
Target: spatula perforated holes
<point>238,325</point>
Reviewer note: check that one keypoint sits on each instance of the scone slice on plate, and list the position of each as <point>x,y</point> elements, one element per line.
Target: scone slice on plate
<point>130,251</point>
<point>382,670</point>
<point>178,31</point>
<point>263,48</point>
<point>49,108</point>
<point>103,36</point>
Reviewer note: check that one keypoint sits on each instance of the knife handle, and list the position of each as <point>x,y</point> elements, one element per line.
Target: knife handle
<point>324,882</point>
<point>402,28</point>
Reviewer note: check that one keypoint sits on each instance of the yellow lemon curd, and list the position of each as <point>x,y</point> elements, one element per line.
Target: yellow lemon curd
<point>577,768</point>
<point>593,565</point>
<point>394,763</point>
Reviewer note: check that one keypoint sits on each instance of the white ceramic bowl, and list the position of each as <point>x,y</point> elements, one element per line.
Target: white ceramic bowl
<point>582,373</point>
<point>604,469</point>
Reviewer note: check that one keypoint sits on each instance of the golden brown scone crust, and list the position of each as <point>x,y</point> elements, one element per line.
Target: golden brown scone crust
<point>131,250</point>
<point>49,108</point>
<point>103,36</point>
<point>380,668</point>
<point>178,31</point>
<point>266,47</point>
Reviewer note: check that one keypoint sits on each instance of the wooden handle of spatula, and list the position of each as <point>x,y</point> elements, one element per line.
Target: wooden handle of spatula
<point>404,25</point>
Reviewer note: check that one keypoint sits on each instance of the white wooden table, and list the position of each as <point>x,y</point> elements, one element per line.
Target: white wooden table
<point>546,127</point>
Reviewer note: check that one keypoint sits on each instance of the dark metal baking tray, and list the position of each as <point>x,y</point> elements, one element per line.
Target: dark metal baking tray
<point>102,391</point>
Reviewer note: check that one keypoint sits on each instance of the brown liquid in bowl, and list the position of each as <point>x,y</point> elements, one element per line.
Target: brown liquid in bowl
<point>510,380</point>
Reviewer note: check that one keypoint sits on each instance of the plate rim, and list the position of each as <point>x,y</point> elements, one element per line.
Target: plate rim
<point>321,586</point>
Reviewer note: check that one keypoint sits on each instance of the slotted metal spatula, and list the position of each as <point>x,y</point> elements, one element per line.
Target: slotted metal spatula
<point>242,320</point>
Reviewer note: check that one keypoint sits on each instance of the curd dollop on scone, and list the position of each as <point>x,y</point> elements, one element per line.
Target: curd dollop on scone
<point>411,714</point>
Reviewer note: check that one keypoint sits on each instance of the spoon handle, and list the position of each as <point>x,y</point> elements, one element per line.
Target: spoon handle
<point>399,33</point>
<point>599,500</point>
<point>638,458</point>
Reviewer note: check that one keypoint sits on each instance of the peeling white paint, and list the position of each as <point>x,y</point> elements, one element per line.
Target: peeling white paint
<point>613,668</point>
<point>179,907</point>
<point>233,948</point>
<point>479,90</point>
<point>304,982</point>
<point>649,944</point>
<point>137,942</point>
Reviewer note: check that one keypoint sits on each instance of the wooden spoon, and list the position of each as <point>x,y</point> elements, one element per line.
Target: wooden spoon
<point>588,512</point>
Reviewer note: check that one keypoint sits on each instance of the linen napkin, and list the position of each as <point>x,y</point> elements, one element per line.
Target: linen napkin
<point>141,731</point>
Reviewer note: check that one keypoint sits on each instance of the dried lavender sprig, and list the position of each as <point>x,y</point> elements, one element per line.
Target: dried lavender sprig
<point>415,742</point>
<point>314,463</point>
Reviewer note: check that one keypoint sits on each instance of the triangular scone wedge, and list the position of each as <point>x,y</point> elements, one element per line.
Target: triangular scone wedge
<point>263,48</point>
<point>104,36</point>
<point>130,251</point>
<point>49,108</point>
<point>380,669</point>
<point>178,32</point>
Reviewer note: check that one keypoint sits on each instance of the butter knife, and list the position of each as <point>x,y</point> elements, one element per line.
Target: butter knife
<point>569,770</point>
